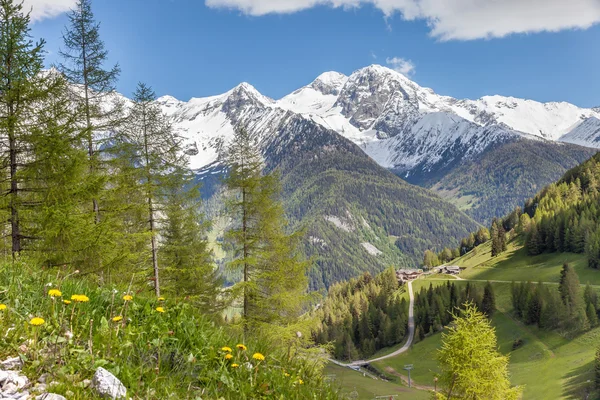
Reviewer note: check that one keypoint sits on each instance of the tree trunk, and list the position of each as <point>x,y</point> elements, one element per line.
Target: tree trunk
<point>90,133</point>
<point>150,207</point>
<point>14,188</point>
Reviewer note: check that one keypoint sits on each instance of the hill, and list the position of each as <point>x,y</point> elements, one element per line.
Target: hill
<point>562,353</point>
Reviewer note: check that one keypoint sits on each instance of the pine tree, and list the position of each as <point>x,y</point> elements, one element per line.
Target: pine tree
<point>152,153</point>
<point>56,181</point>
<point>533,240</point>
<point>21,89</point>
<point>496,244</point>
<point>186,260</point>
<point>84,58</point>
<point>488,305</point>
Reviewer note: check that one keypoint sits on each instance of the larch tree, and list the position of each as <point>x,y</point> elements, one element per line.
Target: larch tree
<point>273,271</point>
<point>22,87</point>
<point>84,57</point>
<point>472,367</point>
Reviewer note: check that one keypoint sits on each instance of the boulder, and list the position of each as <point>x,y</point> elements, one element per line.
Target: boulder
<point>107,385</point>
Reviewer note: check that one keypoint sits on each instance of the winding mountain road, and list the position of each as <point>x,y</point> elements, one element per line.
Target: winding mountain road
<point>411,335</point>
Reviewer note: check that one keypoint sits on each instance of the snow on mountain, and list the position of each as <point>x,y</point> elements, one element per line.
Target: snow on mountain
<point>398,123</point>
<point>586,133</point>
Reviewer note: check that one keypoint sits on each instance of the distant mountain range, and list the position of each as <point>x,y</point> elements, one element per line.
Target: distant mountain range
<point>425,138</point>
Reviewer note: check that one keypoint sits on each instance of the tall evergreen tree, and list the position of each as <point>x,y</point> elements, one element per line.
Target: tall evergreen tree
<point>488,305</point>
<point>153,150</point>
<point>84,57</point>
<point>21,90</point>
<point>274,274</point>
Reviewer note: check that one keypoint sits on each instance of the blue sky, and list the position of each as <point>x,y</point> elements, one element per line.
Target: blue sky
<point>188,49</point>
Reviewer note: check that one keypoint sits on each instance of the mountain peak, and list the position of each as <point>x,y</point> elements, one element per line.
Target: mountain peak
<point>329,83</point>
<point>246,91</point>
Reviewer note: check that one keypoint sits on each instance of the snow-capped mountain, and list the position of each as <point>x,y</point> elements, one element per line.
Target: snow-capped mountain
<point>586,133</point>
<point>400,124</point>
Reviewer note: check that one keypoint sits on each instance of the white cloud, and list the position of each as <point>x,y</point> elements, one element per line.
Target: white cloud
<point>453,19</point>
<point>405,67</point>
<point>42,9</point>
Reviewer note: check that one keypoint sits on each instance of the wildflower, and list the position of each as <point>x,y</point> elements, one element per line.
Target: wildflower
<point>54,293</point>
<point>241,347</point>
<point>3,307</point>
<point>234,365</point>
<point>128,297</point>
<point>161,299</point>
<point>227,349</point>
<point>286,374</point>
<point>258,356</point>
<point>37,321</point>
<point>300,381</point>
<point>80,298</point>
<point>228,356</point>
<point>117,318</point>
<point>67,302</point>
<point>160,309</point>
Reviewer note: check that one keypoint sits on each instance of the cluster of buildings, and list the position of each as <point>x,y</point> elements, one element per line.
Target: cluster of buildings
<point>405,275</point>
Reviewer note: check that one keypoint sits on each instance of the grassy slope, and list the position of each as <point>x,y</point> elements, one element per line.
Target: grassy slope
<point>367,388</point>
<point>548,365</point>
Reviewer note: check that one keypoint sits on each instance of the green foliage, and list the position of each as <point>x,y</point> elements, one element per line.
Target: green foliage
<point>565,215</point>
<point>362,316</point>
<point>470,362</point>
<point>157,355</point>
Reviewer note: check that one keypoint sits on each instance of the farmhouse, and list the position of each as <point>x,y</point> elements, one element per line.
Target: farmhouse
<point>449,269</point>
<point>404,275</point>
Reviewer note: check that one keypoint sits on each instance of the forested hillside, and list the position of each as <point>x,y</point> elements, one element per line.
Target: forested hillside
<point>504,176</point>
<point>363,315</point>
<point>565,216</point>
<point>357,215</point>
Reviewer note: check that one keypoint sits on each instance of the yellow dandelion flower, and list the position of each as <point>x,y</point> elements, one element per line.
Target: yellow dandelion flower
<point>128,297</point>
<point>117,318</point>
<point>160,309</point>
<point>161,299</point>
<point>54,293</point>
<point>234,365</point>
<point>228,356</point>
<point>258,356</point>
<point>241,347</point>
<point>300,381</point>
<point>286,374</point>
<point>227,349</point>
<point>3,307</point>
<point>80,298</point>
<point>37,321</point>
<point>67,302</point>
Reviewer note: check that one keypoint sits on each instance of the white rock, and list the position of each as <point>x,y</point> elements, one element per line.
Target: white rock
<point>107,385</point>
<point>50,396</point>
<point>11,363</point>
<point>3,376</point>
